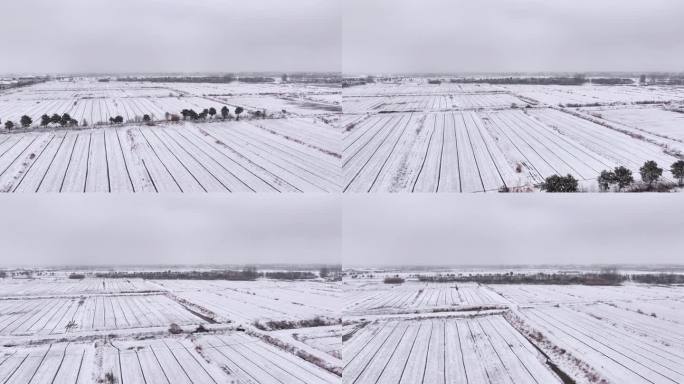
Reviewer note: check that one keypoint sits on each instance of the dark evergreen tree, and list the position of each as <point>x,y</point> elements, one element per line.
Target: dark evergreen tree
<point>650,172</point>
<point>557,183</point>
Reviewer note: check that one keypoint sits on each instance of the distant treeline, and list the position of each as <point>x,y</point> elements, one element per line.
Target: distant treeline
<point>659,278</point>
<point>229,78</point>
<point>247,274</point>
<point>24,82</point>
<point>393,280</point>
<point>675,81</point>
<point>601,278</point>
<point>314,78</point>
<point>76,276</point>
<point>575,80</point>
<point>292,275</point>
<point>182,79</point>
<point>612,81</point>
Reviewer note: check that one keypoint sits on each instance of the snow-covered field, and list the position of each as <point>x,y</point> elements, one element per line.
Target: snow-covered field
<point>213,157</point>
<point>418,332</point>
<point>95,102</point>
<point>59,330</point>
<point>296,149</point>
<point>398,137</point>
<point>417,296</point>
<point>660,125</point>
<point>245,302</point>
<point>475,350</point>
<point>416,137</point>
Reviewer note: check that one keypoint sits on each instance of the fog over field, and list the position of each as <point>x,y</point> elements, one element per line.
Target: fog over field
<point>170,36</point>
<point>96,230</point>
<point>507,36</point>
<point>522,229</point>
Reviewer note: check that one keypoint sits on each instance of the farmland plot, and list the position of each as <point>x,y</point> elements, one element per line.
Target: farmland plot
<point>71,287</point>
<point>578,294</point>
<point>409,136</point>
<point>418,88</point>
<point>326,339</point>
<point>418,296</point>
<point>590,334</point>
<point>166,360</point>
<point>624,347</point>
<point>446,350</point>
<point>426,103</point>
<point>268,156</point>
<point>246,302</point>
<point>58,330</point>
<point>253,361</point>
<point>59,363</point>
<point>289,105</point>
<point>93,102</point>
<point>660,125</point>
<point>469,151</point>
<point>325,342</point>
<point>50,316</point>
<point>590,94</point>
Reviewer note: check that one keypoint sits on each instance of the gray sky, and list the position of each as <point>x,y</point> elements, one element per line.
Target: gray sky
<point>460,229</point>
<point>170,35</point>
<point>169,229</point>
<point>512,35</point>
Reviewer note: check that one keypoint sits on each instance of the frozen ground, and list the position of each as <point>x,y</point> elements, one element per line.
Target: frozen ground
<point>418,332</point>
<point>417,137</point>
<point>295,149</point>
<point>95,102</point>
<point>59,330</point>
<point>214,157</point>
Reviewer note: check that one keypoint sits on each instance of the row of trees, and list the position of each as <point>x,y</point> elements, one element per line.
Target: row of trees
<point>393,280</point>
<point>246,274</point>
<point>290,275</point>
<point>650,173</point>
<point>211,112</point>
<point>557,80</point>
<point>620,177</point>
<point>604,277</point>
<point>25,122</point>
<point>65,120</point>
<point>658,278</point>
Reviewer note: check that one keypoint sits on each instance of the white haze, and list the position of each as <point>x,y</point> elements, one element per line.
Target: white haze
<point>46,36</point>
<point>97,229</point>
<point>512,229</point>
<point>512,35</point>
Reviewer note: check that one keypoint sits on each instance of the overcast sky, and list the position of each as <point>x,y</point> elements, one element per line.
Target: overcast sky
<point>460,229</point>
<point>512,35</point>
<point>169,35</point>
<point>169,229</point>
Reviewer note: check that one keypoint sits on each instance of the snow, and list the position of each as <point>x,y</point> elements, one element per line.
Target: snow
<point>212,157</point>
<point>435,333</point>
<point>60,330</point>
<point>415,137</point>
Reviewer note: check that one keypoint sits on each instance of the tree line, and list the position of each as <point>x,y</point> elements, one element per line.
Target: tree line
<point>246,274</point>
<point>211,112</point>
<point>558,80</point>
<point>65,120</point>
<point>620,178</point>
<point>606,277</point>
